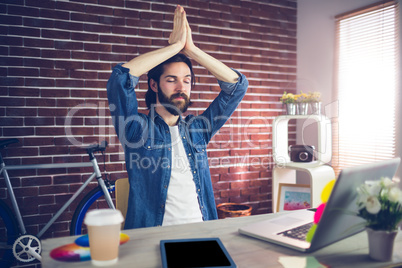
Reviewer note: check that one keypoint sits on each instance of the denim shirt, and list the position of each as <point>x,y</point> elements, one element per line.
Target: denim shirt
<point>147,146</point>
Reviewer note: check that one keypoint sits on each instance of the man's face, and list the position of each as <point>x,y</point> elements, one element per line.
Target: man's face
<point>174,87</point>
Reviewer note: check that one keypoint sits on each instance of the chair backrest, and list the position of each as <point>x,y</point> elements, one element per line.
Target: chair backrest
<point>122,188</point>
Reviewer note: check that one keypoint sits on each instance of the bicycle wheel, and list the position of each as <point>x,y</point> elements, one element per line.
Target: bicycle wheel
<point>93,200</point>
<point>8,233</point>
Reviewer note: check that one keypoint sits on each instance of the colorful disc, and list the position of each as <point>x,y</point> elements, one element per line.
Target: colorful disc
<point>83,241</point>
<point>71,253</point>
<point>78,251</point>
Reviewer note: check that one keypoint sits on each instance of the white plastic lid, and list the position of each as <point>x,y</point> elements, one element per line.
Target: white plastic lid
<point>100,217</point>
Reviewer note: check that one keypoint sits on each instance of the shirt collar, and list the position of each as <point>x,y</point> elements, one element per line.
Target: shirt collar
<point>153,114</point>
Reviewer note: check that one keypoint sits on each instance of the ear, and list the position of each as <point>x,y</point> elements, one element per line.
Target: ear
<point>154,85</point>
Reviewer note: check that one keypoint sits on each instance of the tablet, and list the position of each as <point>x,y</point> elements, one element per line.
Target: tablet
<point>196,252</point>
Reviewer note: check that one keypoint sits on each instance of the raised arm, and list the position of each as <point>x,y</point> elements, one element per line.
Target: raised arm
<point>177,40</point>
<point>214,66</point>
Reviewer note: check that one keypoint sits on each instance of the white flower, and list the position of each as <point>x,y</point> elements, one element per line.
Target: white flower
<point>373,206</point>
<point>387,183</point>
<point>374,188</point>
<point>362,196</point>
<point>394,194</point>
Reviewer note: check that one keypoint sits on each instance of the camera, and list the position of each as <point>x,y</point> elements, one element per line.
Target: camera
<point>301,153</point>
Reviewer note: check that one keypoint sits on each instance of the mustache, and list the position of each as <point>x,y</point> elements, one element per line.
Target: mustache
<point>177,95</point>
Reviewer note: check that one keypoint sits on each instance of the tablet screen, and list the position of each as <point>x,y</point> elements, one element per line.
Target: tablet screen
<point>195,253</point>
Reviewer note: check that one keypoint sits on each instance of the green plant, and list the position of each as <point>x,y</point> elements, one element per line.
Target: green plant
<point>288,98</point>
<point>314,97</point>
<point>302,97</point>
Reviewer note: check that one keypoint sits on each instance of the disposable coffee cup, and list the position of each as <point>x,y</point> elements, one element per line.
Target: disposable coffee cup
<point>104,235</point>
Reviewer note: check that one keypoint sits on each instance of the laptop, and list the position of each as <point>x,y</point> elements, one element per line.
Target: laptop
<point>335,224</point>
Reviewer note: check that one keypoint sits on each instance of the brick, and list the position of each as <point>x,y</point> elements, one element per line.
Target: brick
<point>23,11</point>
<point>98,47</point>
<point>69,6</point>
<point>92,9</point>
<point>39,121</point>
<point>39,82</point>
<point>84,17</point>
<point>53,73</point>
<point>126,13</point>
<point>83,74</point>
<point>54,93</point>
<point>85,37</point>
<point>21,111</point>
<point>62,64</point>
<point>97,28</point>
<point>96,66</point>
<point>81,55</point>
<point>10,20</point>
<point>230,193</point>
<point>133,4</point>
<point>23,72</point>
<point>69,83</point>
<point>32,92</point>
<point>44,131</point>
<point>26,191</point>
<point>37,141</point>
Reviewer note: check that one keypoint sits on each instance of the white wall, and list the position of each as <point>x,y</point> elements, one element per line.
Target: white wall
<point>315,52</point>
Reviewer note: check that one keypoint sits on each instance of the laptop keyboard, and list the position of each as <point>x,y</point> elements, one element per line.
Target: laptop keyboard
<point>299,232</point>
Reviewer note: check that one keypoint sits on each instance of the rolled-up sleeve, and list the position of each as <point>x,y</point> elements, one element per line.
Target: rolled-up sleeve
<point>122,99</point>
<point>229,88</point>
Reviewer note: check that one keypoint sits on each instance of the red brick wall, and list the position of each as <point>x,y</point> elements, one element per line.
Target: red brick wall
<point>56,58</point>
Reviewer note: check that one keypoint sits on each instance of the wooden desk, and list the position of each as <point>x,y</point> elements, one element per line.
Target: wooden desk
<point>143,248</point>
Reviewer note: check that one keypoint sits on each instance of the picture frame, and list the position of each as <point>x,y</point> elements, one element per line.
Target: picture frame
<point>293,197</point>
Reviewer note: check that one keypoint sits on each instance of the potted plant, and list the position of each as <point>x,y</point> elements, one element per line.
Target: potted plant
<point>380,205</point>
<point>302,103</point>
<point>289,100</point>
<point>314,99</point>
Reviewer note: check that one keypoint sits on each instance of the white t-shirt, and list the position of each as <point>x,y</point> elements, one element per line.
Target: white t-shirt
<point>182,204</point>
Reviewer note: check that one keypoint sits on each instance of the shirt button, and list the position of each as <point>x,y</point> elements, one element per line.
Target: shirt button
<point>184,137</point>
<point>168,166</point>
<point>169,149</point>
<point>149,147</point>
<point>195,171</point>
<point>199,190</point>
<point>189,154</point>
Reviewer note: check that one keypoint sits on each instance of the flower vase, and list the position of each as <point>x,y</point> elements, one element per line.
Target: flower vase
<point>290,108</point>
<point>381,244</point>
<point>315,107</point>
<point>302,108</point>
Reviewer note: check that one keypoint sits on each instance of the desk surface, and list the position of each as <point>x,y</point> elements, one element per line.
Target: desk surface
<point>143,248</point>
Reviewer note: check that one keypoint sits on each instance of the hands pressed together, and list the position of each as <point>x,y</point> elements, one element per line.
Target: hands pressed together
<point>180,40</point>
<point>181,32</point>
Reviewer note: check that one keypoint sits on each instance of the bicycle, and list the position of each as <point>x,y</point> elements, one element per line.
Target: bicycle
<point>16,243</point>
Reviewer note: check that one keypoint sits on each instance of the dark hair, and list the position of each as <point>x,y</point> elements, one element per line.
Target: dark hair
<point>156,72</point>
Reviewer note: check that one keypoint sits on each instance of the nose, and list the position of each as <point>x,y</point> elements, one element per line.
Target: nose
<point>181,86</point>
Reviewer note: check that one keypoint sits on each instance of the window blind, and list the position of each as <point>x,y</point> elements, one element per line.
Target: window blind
<point>366,85</point>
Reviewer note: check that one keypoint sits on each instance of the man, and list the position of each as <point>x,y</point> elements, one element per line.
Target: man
<point>165,154</point>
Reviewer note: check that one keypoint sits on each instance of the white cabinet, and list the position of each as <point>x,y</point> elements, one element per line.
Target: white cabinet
<point>318,171</point>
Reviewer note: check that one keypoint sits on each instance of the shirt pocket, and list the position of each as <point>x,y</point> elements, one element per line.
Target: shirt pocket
<point>152,144</point>
<point>200,154</point>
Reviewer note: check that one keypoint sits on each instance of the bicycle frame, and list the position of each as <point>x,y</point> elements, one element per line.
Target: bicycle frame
<point>96,174</point>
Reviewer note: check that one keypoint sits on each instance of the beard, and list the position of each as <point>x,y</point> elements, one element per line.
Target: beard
<point>171,105</point>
